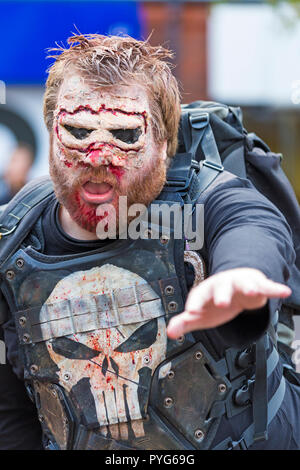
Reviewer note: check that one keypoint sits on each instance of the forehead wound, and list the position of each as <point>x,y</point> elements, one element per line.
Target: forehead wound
<point>76,91</point>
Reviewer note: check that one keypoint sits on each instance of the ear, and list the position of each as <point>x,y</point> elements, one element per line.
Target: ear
<point>164,147</point>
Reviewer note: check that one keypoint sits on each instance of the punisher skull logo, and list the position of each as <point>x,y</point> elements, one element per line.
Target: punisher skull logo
<point>106,331</point>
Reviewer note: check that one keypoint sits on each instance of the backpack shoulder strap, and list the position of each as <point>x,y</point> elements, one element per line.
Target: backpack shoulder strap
<point>197,131</point>
<point>187,178</point>
<point>2,209</point>
<point>21,214</point>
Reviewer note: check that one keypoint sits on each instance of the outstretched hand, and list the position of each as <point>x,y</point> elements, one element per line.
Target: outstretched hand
<point>221,297</point>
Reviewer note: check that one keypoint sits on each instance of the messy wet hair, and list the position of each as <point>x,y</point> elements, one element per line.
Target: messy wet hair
<point>111,60</point>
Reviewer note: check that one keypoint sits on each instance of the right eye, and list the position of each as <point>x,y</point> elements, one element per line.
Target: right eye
<point>78,132</point>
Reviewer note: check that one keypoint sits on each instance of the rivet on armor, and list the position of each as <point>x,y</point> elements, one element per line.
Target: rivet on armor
<point>34,368</point>
<point>26,338</point>
<point>168,402</point>
<point>181,339</point>
<point>20,262</point>
<point>169,290</point>
<point>172,306</point>
<point>222,388</point>
<point>67,376</point>
<point>198,355</point>
<point>146,360</point>
<point>171,374</point>
<point>199,435</point>
<point>10,274</point>
<point>22,321</point>
<point>164,239</point>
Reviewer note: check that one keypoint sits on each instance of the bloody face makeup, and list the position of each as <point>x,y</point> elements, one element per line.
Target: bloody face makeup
<point>102,147</point>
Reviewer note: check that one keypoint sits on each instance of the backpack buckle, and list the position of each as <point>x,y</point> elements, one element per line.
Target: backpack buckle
<point>179,175</point>
<point>198,119</point>
<point>213,165</point>
<point>244,395</point>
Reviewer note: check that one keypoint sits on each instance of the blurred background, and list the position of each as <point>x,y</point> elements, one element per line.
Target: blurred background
<point>244,53</point>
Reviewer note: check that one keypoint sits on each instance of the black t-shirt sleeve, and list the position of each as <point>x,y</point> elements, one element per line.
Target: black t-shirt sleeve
<point>244,229</point>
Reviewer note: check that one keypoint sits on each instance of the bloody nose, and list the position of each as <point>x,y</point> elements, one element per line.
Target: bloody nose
<point>96,155</point>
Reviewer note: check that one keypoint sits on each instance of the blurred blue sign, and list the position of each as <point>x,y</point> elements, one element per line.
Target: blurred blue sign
<point>28,28</point>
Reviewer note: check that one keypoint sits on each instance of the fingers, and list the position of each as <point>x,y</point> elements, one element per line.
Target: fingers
<point>263,286</point>
<point>182,323</point>
<point>199,296</point>
<point>207,318</point>
<point>222,294</point>
<point>221,297</point>
<point>274,289</point>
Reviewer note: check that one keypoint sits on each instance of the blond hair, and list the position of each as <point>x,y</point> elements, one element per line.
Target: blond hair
<point>110,60</point>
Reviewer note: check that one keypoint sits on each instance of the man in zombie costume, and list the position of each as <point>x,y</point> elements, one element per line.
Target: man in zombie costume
<point>97,329</point>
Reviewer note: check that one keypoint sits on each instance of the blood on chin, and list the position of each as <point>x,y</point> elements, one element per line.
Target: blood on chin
<point>84,214</point>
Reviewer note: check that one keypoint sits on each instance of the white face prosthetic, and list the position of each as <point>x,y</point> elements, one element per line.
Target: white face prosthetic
<point>102,127</point>
<point>103,147</point>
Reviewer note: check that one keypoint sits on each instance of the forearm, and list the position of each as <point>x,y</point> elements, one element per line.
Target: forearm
<point>248,234</point>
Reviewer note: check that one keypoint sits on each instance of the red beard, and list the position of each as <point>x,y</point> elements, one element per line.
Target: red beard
<point>147,185</point>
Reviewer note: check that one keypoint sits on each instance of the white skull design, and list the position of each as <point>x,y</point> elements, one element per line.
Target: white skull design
<point>106,324</point>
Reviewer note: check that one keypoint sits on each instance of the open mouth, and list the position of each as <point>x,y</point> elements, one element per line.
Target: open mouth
<point>97,193</point>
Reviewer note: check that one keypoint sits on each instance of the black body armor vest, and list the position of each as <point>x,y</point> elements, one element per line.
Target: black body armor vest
<point>97,359</point>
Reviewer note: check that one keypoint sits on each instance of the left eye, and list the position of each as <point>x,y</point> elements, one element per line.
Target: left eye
<point>72,349</point>
<point>129,136</point>
<point>78,132</point>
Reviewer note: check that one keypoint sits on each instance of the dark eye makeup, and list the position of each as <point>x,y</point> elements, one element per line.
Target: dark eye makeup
<point>78,132</point>
<point>129,136</point>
